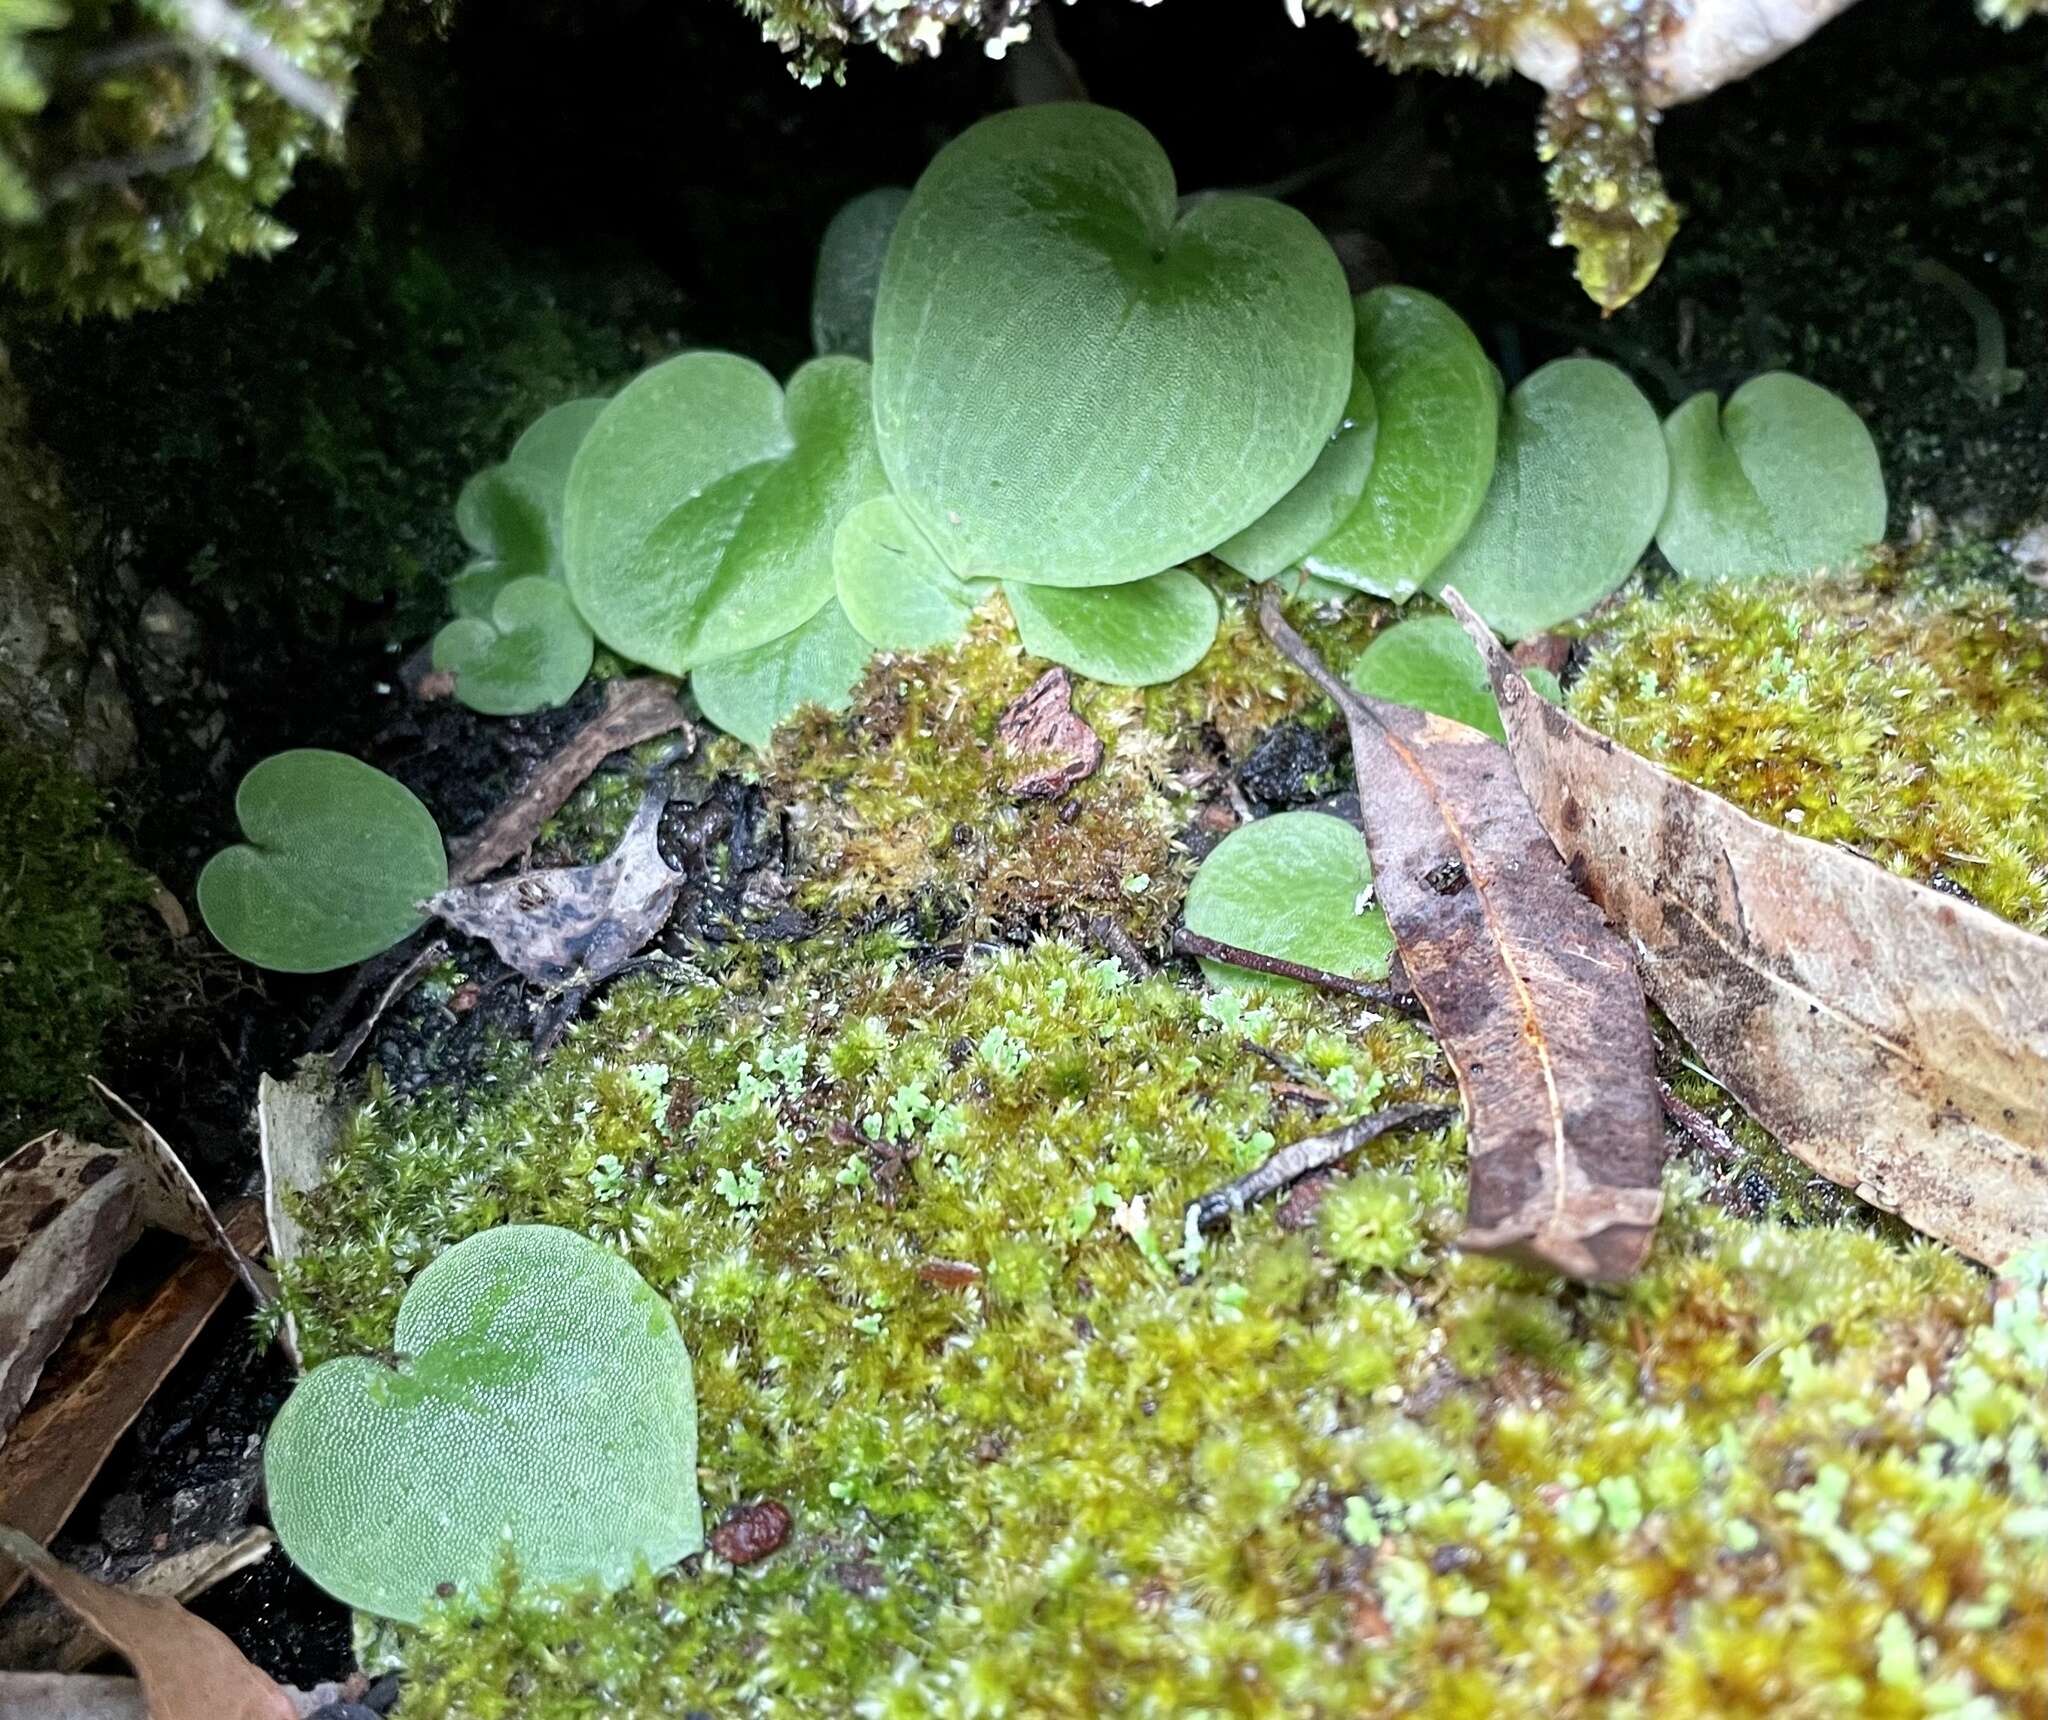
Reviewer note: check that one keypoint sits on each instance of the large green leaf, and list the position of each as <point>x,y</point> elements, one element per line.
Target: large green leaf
<point>1783,480</point>
<point>1297,885</point>
<point>819,664</point>
<point>1438,404</point>
<point>1322,501</point>
<point>1080,380</point>
<point>850,270</point>
<point>531,651</point>
<point>893,585</point>
<point>1428,662</point>
<point>541,1406</point>
<point>1132,635</point>
<point>1576,496</point>
<point>702,504</point>
<point>337,859</point>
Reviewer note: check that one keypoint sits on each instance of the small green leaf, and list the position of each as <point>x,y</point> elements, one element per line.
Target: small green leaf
<point>1438,403</point>
<point>1080,379</point>
<point>892,583</point>
<point>474,590</point>
<point>702,505</point>
<point>511,514</point>
<point>338,858</point>
<point>1427,662</point>
<point>542,1406</point>
<point>850,270</point>
<point>1576,496</point>
<point>533,650</point>
<point>1322,501</point>
<point>503,522</point>
<point>1784,480</point>
<point>819,664</point>
<point>1297,885</point>
<point>1132,635</point>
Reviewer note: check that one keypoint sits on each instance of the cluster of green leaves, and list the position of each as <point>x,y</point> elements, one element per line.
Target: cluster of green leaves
<point>1043,371</point>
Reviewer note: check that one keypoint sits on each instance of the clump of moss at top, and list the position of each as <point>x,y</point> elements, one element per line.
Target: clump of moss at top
<point>1902,718</point>
<point>140,153</point>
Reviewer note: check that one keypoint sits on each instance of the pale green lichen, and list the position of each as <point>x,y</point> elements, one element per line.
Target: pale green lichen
<point>918,1212</point>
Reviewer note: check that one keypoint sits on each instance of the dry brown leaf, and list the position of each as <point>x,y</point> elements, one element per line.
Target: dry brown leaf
<point>1533,998</point>
<point>574,925</point>
<point>68,1211</point>
<point>188,1670</point>
<point>98,1383</point>
<point>1895,1038</point>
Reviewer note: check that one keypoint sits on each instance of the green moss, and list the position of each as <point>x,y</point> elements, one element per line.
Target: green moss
<point>69,901</point>
<point>1903,717</point>
<point>920,1220</point>
<point>135,162</point>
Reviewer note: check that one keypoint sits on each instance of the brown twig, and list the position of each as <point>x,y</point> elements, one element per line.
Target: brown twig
<point>216,25</point>
<point>1378,992</point>
<point>1697,1127</point>
<point>1312,1153</point>
<point>634,711</point>
<point>408,977</point>
<point>1111,935</point>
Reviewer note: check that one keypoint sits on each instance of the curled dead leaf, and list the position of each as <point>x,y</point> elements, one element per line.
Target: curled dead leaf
<point>1894,1038</point>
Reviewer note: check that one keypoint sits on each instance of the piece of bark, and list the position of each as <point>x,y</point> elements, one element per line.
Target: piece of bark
<point>1894,1038</point>
<point>1041,730</point>
<point>68,1211</point>
<point>188,1670</point>
<point>634,711</point>
<point>78,1696</point>
<point>571,926</point>
<point>173,1200</point>
<point>1534,1000</point>
<point>98,1383</point>
<point>298,1128</point>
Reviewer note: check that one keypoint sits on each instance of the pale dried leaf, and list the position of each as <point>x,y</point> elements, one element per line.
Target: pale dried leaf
<point>574,925</point>
<point>68,1211</point>
<point>1533,998</point>
<point>1894,1038</point>
<point>188,1670</point>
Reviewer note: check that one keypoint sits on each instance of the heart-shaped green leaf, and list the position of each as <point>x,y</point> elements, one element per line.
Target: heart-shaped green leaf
<point>1320,503</point>
<point>702,505</point>
<point>1132,635</point>
<point>503,523</point>
<point>1438,405</point>
<point>893,585</point>
<point>1081,381</point>
<point>850,270</point>
<point>511,514</point>
<point>542,1405</point>
<point>1297,885</point>
<point>1576,496</point>
<point>1429,663</point>
<point>338,858</point>
<point>819,664</point>
<point>531,652</point>
<point>1785,479</point>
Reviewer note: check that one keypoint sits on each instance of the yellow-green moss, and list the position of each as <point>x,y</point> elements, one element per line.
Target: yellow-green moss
<point>1898,717</point>
<point>919,1216</point>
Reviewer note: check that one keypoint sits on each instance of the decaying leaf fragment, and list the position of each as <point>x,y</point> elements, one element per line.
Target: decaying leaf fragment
<point>188,1669</point>
<point>1533,998</point>
<point>574,925</point>
<point>1057,747</point>
<point>1894,1038</point>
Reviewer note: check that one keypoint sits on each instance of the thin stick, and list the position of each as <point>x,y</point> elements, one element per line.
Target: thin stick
<point>1312,1153</point>
<point>408,977</point>
<point>217,25</point>
<point>1697,1127</point>
<point>1189,943</point>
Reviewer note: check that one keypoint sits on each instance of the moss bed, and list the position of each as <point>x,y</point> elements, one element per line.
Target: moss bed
<point>914,1183</point>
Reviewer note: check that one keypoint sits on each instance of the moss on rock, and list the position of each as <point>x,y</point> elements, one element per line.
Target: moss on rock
<point>918,1210</point>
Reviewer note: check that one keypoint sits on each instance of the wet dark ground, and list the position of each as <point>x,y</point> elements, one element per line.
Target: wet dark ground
<point>656,170</point>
